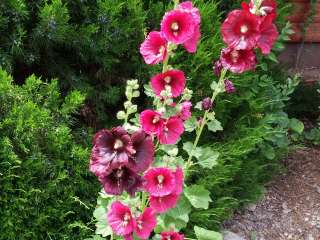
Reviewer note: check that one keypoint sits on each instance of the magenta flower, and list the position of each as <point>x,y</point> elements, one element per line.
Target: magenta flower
<point>266,7</point>
<point>185,110</point>
<point>151,122</point>
<point>268,34</point>
<point>228,86</point>
<point>240,30</point>
<point>174,79</point>
<point>143,156</point>
<point>217,68</point>
<point>161,204</point>
<point>145,223</point>
<point>120,219</point>
<point>121,179</point>
<point>111,148</point>
<point>238,61</point>
<point>171,236</point>
<point>154,48</point>
<point>178,26</point>
<point>191,44</point>
<point>159,181</point>
<point>128,237</point>
<point>172,130</point>
<point>206,104</point>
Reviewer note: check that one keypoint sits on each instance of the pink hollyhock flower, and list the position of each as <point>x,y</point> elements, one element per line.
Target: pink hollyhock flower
<point>178,26</point>
<point>171,236</point>
<point>238,61</point>
<point>154,48</point>
<point>120,219</point>
<point>268,34</point>
<point>151,122</point>
<point>266,7</point>
<point>128,237</point>
<point>143,156</point>
<point>159,181</point>
<point>185,110</point>
<point>174,79</point>
<point>228,86</point>
<point>191,44</point>
<point>121,179</point>
<point>111,148</point>
<point>240,30</point>
<point>164,203</point>
<point>145,223</point>
<point>172,130</point>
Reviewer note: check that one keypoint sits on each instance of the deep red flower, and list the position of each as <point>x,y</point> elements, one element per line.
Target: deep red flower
<point>111,148</point>
<point>120,219</point>
<point>145,223</point>
<point>172,130</point>
<point>240,30</point>
<point>151,122</point>
<point>154,48</point>
<point>174,79</point>
<point>171,236</point>
<point>143,154</point>
<point>178,26</point>
<point>238,61</point>
<point>268,34</point>
<point>266,7</point>
<point>121,179</point>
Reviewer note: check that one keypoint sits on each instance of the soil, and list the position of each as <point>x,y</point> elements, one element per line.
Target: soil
<point>291,206</point>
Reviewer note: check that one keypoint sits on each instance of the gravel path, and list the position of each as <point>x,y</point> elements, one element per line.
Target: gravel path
<point>291,206</point>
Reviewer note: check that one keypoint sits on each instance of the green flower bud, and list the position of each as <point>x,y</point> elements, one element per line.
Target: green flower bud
<point>121,115</point>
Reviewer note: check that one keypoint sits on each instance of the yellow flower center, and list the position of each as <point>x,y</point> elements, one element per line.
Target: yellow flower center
<point>118,144</point>
<point>244,29</point>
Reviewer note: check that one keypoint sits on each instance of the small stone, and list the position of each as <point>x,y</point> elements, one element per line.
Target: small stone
<point>252,207</point>
<point>227,235</point>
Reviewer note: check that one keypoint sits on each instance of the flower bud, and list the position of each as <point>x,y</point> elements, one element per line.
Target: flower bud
<point>217,68</point>
<point>136,94</point>
<point>121,115</point>
<point>206,104</point>
<point>228,86</point>
<point>127,104</point>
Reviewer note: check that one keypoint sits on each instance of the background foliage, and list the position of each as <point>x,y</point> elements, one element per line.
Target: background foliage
<point>91,48</point>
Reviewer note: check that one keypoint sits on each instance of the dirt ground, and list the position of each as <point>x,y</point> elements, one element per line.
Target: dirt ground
<point>291,206</point>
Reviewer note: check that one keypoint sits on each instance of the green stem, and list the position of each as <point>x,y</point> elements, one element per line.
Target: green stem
<point>204,119</point>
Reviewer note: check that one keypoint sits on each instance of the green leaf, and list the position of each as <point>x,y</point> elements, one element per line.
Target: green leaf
<point>214,125</point>
<point>190,125</point>
<point>204,234</point>
<point>171,150</point>
<point>208,158</point>
<point>296,125</point>
<point>181,211</point>
<point>198,196</point>
<point>268,151</point>
<point>187,146</point>
<point>273,57</point>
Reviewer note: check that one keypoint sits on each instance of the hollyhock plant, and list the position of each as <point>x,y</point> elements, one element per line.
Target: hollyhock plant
<point>154,48</point>
<point>174,79</point>
<point>171,236</point>
<point>240,30</point>
<point>111,148</point>
<point>268,34</point>
<point>121,179</point>
<point>151,122</point>
<point>120,219</point>
<point>217,67</point>
<point>145,223</point>
<point>172,130</point>
<point>178,26</point>
<point>229,87</point>
<point>238,61</point>
<point>266,7</point>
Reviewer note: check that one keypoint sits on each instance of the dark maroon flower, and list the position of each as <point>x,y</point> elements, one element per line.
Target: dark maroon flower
<point>121,179</point>
<point>240,30</point>
<point>143,156</point>
<point>217,68</point>
<point>111,148</point>
<point>206,104</point>
<point>228,86</point>
<point>238,61</point>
